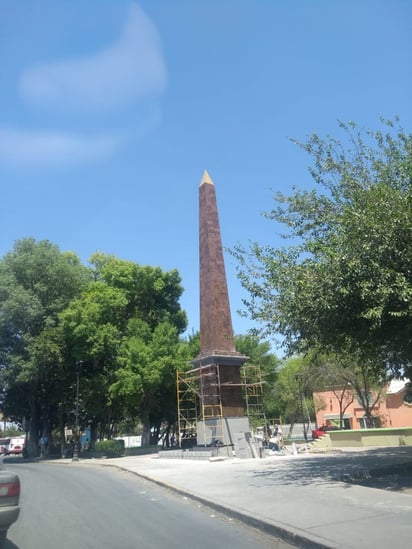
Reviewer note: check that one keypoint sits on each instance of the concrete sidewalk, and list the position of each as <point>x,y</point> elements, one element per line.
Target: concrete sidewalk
<point>307,500</point>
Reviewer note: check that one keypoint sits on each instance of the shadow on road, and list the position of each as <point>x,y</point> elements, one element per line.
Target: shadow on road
<point>9,545</point>
<point>383,468</point>
<point>19,459</point>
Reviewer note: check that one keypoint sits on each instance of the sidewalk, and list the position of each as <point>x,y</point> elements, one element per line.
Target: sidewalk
<point>307,500</point>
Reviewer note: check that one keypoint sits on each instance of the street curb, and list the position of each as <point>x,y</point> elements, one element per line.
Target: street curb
<point>287,533</point>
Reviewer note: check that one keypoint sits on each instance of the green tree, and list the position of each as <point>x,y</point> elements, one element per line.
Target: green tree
<point>348,378</point>
<point>145,381</point>
<point>344,283</point>
<point>125,328</point>
<point>193,342</point>
<point>293,392</point>
<point>152,294</point>
<point>260,356</point>
<point>93,325</point>
<point>37,281</point>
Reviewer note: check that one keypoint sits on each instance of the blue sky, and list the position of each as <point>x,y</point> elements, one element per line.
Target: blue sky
<point>110,111</point>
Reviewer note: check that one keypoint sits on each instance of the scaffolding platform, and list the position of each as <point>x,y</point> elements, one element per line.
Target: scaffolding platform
<point>200,411</point>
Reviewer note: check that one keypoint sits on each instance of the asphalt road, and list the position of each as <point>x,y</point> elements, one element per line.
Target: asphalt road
<point>104,508</point>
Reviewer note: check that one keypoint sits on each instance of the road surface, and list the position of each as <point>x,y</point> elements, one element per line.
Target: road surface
<point>64,506</point>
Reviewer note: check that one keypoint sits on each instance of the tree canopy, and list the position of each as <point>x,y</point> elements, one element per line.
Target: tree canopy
<point>343,282</point>
<point>125,328</point>
<point>259,355</point>
<point>37,281</point>
<point>122,321</point>
<point>349,378</point>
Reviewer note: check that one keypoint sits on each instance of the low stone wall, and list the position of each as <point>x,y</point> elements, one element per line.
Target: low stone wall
<point>364,438</point>
<point>141,450</point>
<point>196,453</point>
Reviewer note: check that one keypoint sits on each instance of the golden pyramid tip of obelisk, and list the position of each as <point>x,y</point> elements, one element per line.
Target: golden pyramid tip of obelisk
<point>206,179</point>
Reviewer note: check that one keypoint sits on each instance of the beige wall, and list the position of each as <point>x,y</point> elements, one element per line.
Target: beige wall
<point>365,438</point>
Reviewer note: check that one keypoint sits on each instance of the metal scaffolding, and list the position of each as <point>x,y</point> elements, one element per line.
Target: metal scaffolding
<point>199,402</point>
<point>253,394</point>
<point>188,400</point>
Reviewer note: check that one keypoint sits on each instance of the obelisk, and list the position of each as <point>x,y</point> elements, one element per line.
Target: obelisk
<point>217,346</point>
<point>216,332</point>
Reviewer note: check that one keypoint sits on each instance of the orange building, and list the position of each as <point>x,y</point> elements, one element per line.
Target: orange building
<point>393,408</point>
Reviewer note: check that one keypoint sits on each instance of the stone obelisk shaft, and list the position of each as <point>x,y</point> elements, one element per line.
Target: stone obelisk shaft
<point>216,332</point>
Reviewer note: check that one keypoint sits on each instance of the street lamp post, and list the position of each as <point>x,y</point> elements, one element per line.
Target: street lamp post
<point>76,427</point>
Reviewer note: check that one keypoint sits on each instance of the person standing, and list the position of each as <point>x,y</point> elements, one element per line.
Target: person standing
<point>44,443</point>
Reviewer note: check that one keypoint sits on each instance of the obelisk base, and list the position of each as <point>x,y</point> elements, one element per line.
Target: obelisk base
<point>232,434</point>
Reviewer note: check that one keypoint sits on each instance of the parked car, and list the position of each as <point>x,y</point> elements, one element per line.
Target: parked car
<point>321,431</point>
<point>9,501</point>
<point>16,445</point>
<point>4,445</point>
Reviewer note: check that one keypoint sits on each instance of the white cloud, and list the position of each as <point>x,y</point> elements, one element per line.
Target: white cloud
<point>38,149</point>
<point>129,69</point>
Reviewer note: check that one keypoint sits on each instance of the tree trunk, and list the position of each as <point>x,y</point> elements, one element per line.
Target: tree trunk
<point>45,424</point>
<point>93,433</point>
<point>146,430</point>
<point>166,437</point>
<point>62,431</point>
<point>32,442</point>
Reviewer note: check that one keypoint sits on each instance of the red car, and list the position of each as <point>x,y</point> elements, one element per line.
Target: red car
<point>320,431</point>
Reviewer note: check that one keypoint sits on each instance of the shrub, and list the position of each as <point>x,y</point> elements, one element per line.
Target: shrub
<point>110,448</point>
